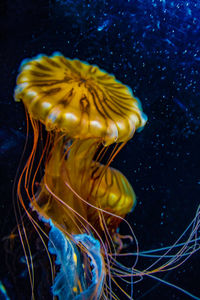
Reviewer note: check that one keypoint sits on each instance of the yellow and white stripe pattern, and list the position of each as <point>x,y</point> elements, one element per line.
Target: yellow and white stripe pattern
<point>77,98</point>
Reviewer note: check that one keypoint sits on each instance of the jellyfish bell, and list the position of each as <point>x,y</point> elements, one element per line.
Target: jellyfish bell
<point>79,99</point>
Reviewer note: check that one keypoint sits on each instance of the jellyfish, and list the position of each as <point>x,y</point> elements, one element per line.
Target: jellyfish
<point>77,112</point>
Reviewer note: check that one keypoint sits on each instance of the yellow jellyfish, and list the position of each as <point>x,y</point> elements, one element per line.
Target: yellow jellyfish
<point>81,107</point>
<point>83,110</point>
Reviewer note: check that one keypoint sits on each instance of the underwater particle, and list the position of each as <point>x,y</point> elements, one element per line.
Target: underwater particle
<point>104,25</point>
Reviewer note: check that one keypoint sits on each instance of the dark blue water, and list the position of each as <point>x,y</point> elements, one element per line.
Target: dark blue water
<point>152,46</point>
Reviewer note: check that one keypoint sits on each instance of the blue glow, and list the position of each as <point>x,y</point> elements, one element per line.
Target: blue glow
<point>72,275</point>
<point>3,293</point>
<point>103,25</point>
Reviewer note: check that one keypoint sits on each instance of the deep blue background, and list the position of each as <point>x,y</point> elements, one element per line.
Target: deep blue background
<point>152,46</point>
